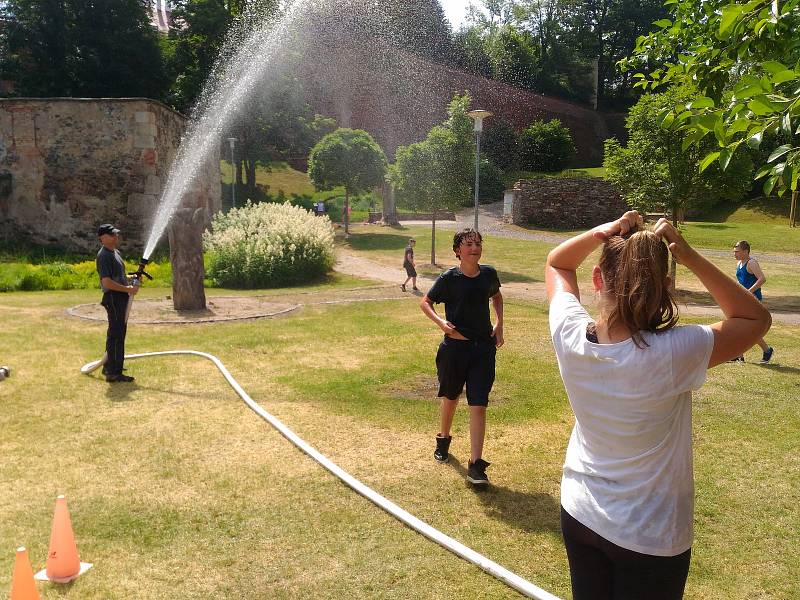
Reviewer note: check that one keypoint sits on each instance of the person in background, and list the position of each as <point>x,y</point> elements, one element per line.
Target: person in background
<point>117,291</point>
<point>410,266</point>
<point>750,275</point>
<point>627,487</point>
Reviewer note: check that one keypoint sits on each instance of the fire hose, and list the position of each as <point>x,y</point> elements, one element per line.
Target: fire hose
<point>511,579</point>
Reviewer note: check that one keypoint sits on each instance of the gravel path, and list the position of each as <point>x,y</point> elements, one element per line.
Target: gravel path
<point>490,217</point>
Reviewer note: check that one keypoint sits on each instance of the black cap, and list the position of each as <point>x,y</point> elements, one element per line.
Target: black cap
<point>107,229</point>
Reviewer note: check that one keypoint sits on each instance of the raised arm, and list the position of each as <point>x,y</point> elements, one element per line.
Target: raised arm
<point>746,320</point>
<point>560,272</point>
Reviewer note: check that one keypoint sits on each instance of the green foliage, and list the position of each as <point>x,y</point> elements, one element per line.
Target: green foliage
<point>349,158</point>
<point>744,60</point>
<point>437,173</point>
<point>23,276</point>
<point>499,142</point>
<point>268,245</point>
<point>491,184</point>
<point>656,170</point>
<point>545,146</point>
<point>82,49</point>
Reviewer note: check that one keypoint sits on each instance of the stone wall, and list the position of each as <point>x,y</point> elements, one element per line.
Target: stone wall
<point>75,163</point>
<point>565,202</point>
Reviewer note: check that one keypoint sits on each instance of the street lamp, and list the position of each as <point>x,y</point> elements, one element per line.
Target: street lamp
<point>478,116</point>
<point>232,142</point>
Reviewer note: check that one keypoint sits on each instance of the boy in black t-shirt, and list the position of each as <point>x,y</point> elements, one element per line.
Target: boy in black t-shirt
<point>467,353</point>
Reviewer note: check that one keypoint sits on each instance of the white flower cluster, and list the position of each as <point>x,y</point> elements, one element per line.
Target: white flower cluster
<point>268,245</point>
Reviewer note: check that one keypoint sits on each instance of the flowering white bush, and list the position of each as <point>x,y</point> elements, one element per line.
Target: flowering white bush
<point>268,245</point>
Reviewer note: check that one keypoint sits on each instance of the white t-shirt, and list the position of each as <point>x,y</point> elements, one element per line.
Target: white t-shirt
<point>628,473</point>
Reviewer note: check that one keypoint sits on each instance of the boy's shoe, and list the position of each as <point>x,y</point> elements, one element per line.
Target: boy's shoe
<point>476,473</point>
<point>442,451</point>
<point>403,286</point>
<point>738,359</point>
<point>416,289</point>
<point>767,356</point>
<point>119,378</point>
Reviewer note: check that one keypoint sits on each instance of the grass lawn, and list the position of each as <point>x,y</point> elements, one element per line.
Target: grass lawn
<point>177,490</point>
<point>523,261</point>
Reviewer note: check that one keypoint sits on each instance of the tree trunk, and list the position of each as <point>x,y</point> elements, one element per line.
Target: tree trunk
<point>793,210</point>
<point>433,239</point>
<point>389,206</point>
<point>186,255</point>
<point>250,170</point>
<point>238,179</point>
<point>346,212</point>
<point>673,264</point>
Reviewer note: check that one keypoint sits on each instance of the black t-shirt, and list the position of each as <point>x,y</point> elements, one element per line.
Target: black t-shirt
<point>466,300</point>
<point>408,256</point>
<point>109,264</point>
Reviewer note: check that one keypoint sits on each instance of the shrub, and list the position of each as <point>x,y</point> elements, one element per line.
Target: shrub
<point>268,245</point>
<point>545,147</point>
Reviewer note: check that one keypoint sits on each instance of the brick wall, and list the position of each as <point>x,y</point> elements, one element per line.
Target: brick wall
<point>75,163</point>
<point>565,202</point>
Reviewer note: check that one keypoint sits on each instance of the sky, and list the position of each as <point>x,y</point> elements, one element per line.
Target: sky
<point>455,11</point>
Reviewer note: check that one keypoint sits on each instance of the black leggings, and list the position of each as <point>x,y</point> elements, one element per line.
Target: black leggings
<point>599,569</point>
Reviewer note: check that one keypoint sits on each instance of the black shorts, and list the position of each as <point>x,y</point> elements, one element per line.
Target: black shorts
<point>410,270</point>
<point>469,362</point>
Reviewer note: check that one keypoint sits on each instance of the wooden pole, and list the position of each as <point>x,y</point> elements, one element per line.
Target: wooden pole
<point>793,210</point>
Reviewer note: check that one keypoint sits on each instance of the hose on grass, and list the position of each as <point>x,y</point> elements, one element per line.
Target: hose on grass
<point>511,579</point>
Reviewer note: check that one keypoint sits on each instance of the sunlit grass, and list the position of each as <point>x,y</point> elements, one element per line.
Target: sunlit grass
<point>178,490</point>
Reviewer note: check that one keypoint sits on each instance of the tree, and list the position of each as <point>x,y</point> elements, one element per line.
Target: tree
<point>499,142</point>
<point>545,146</point>
<point>744,60</point>
<point>656,172</point>
<point>105,48</point>
<point>349,158</point>
<point>436,174</point>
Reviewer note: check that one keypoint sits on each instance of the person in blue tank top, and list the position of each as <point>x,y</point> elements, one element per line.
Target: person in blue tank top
<point>750,275</point>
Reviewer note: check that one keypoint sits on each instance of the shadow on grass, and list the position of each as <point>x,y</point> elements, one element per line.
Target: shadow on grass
<point>776,304</point>
<point>781,369</point>
<point>374,241</point>
<point>522,510</point>
<point>511,277</point>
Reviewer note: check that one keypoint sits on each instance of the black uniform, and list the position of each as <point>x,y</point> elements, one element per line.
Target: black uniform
<point>470,361</point>
<point>109,264</point>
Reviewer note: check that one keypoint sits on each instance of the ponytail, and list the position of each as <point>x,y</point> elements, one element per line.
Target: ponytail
<point>635,273</point>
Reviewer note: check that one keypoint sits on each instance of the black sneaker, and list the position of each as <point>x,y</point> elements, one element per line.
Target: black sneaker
<point>442,448</point>
<point>476,473</point>
<point>403,286</point>
<point>767,356</point>
<point>119,378</point>
<point>738,359</point>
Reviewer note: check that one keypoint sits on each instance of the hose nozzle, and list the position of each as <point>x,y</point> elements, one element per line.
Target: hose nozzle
<point>140,271</point>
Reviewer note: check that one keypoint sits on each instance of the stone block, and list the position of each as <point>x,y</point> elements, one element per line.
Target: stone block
<point>141,206</point>
<point>152,185</point>
<point>144,117</point>
<point>144,141</point>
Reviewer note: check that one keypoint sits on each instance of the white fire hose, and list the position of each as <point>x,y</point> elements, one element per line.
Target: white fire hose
<point>513,580</point>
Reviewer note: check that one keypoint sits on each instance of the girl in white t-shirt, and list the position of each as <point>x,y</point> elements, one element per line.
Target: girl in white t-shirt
<point>627,491</point>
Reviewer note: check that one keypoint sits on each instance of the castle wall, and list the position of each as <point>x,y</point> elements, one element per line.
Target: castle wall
<point>69,164</point>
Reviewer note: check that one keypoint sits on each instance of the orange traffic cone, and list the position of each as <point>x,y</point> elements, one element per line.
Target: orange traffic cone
<point>63,564</point>
<point>23,587</point>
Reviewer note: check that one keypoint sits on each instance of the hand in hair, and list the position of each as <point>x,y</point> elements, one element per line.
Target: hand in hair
<point>678,246</point>
<point>627,223</point>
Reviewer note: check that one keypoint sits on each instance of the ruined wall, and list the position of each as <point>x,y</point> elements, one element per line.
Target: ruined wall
<point>70,164</point>
<point>566,202</point>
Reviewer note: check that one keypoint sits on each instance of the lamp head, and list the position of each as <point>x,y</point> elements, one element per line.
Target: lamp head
<point>478,116</point>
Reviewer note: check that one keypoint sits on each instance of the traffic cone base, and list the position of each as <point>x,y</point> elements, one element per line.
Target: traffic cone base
<point>23,587</point>
<point>42,575</point>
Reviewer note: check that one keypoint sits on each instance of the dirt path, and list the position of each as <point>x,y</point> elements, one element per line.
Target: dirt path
<point>351,264</point>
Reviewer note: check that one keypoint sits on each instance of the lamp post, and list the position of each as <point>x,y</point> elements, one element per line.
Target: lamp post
<point>232,142</point>
<point>478,116</point>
